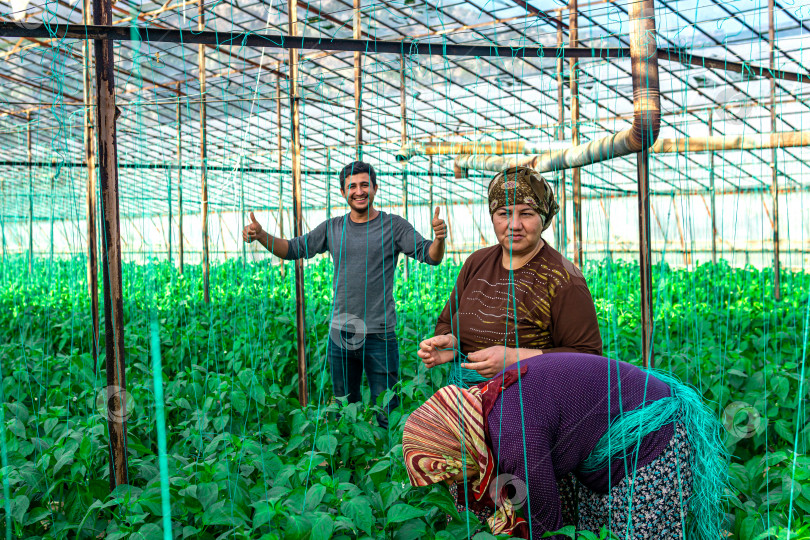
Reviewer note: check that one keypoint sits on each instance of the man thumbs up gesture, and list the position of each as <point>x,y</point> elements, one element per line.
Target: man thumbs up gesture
<point>439,226</point>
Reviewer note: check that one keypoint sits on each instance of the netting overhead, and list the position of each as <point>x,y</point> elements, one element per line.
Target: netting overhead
<point>447,98</point>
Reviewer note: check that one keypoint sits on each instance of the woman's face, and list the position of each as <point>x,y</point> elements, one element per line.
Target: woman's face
<point>517,228</point>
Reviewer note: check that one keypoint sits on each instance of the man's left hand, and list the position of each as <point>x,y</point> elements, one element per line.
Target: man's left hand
<point>439,226</point>
<point>490,361</point>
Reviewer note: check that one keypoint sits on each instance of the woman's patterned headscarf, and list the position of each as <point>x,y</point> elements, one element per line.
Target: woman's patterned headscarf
<point>522,185</point>
<point>446,434</point>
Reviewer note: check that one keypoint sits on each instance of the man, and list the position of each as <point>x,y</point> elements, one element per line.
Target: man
<point>364,245</point>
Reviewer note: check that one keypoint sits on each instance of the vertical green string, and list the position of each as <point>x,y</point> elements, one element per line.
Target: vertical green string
<point>157,378</point>
<point>4,456</point>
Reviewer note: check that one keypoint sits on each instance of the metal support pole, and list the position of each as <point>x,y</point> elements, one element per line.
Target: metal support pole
<point>328,183</point>
<point>171,216</point>
<point>404,136</point>
<point>562,220</point>
<point>295,142</point>
<point>111,248</point>
<point>280,160</point>
<point>573,41</point>
<point>241,208</point>
<point>712,193</point>
<point>358,85</point>
<point>179,190</point>
<point>774,171</point>
<point>90,162</point>
<point>645,257</point>
<point>30,194</point>
<point>203,157</point>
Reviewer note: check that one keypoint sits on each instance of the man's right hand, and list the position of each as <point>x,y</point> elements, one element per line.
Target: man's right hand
<point>437,350</point>
<point>253,231</point>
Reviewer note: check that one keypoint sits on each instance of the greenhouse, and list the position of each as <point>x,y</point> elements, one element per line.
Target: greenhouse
<point>404,269</point>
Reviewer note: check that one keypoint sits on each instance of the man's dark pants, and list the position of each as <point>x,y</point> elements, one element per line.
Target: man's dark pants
<point>378,355</point>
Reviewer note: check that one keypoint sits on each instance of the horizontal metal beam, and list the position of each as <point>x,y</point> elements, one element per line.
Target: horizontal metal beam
<point>227,168</point>
<point>370,46</point>
<point>282,41</point>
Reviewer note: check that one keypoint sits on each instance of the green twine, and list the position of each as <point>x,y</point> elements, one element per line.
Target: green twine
<point>708,459</point>
<point>463,377</point>
<point>157,377</point>
<point>4,453</point>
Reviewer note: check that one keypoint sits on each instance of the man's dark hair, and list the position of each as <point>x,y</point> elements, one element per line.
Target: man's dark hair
<point>357,167</point>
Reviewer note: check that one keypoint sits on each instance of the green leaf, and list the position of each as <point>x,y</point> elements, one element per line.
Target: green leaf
<point>323,527</point>
<point>265,512</point>
<point>403,512</point>
<point>569,530</point>
<point>207,494</point>
<point>483,535</point>
<point>150,531</point>
<point>223,515</point>
<point>358,510</point>
<point>441,500</point>
<point>239,401</point>
<point>363,432</point>
<point>19,506</point>
<point>314,496</point>
<point>327,444</point>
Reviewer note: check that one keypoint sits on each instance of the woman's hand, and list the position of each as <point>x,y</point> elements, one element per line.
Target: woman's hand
<point>490,361</point>
<point>437,350</point>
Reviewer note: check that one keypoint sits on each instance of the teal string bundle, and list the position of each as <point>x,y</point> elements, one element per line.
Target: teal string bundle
<point>463,377</point>
<point>708,459</point>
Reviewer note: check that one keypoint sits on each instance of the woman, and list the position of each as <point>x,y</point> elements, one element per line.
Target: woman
<point>519,298</point>
<point>643,451</point>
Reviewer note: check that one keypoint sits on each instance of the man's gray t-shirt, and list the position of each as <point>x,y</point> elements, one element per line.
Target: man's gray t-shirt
<point>364,257</point>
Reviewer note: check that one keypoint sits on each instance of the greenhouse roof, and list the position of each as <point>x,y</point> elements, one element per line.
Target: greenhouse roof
<point>447,98</point>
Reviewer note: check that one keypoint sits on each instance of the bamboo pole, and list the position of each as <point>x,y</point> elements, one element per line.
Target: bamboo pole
<point>576,177</point>
<point>179,190</point>
<point>90,162</point>
<point>774,170</point>
<point>358,84</point>
<point>295,147</point>
<point>562,221</point>
<point>404,137</point>
<point>712,196</point>
<point>203,156</point>
<point>111,249</point>
<point>30,194</point>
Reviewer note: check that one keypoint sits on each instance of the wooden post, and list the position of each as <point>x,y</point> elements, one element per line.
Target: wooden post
<point>645,257</point>
<point>111,248</point>
<point>774,171</point>
<point>30,194</point>
<point>562,220</point>
<point>404,136</point>
<point>90,162</point>
<point>358,85</point>
<point>573,41</point>
<point>712,194</point>
<point>179,189</point>
<point>203,156</point>
<point>295,147</point>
